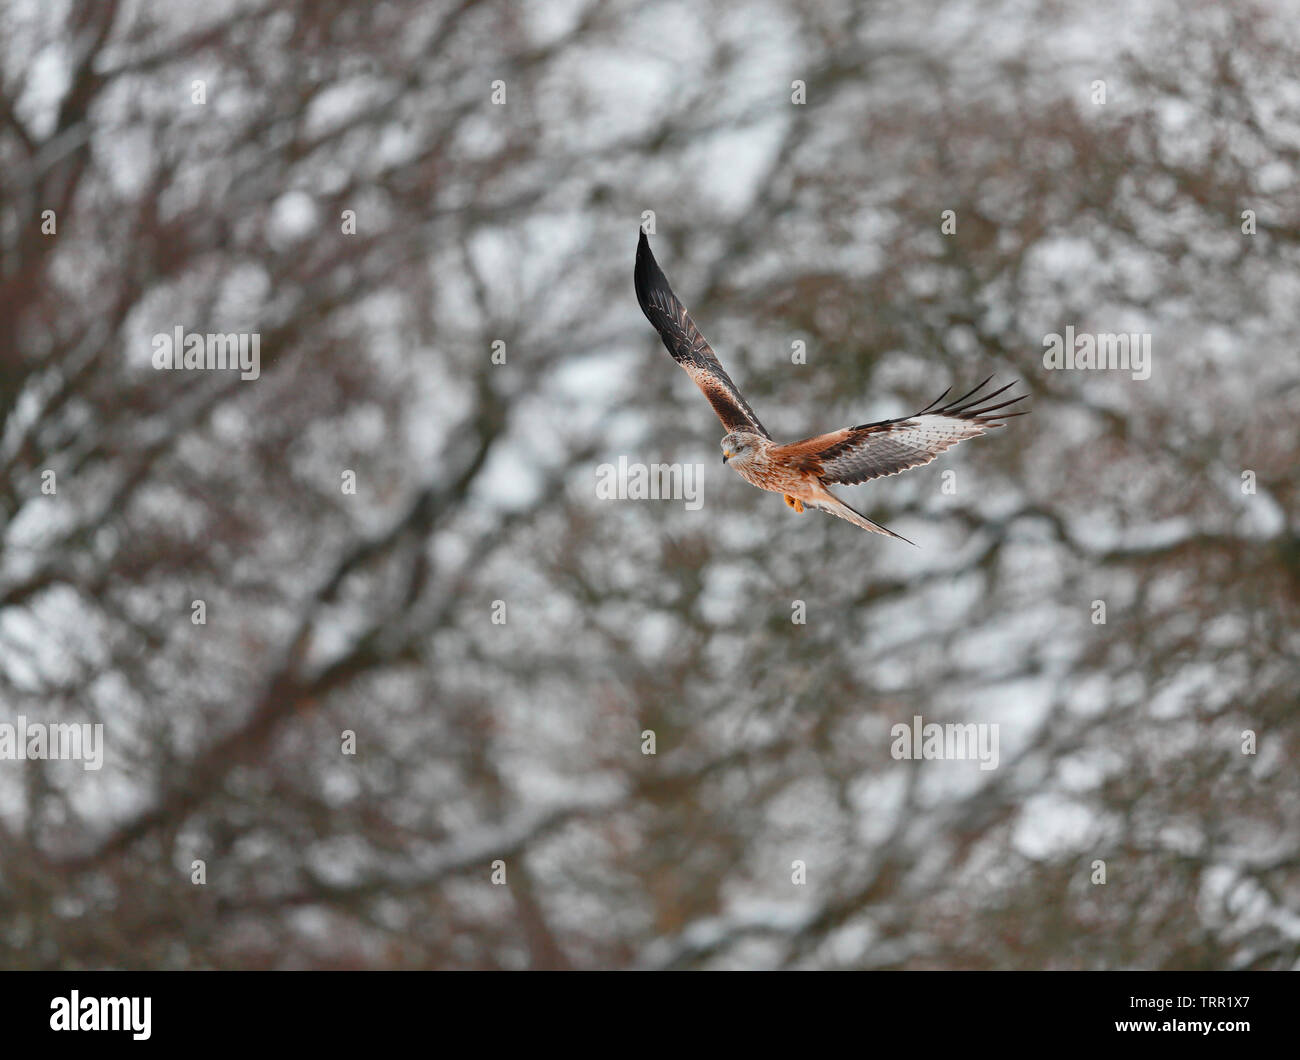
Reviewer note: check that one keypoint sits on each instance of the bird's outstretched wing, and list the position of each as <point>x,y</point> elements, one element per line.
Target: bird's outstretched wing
<point>873,450</point>
<point>689,349</point>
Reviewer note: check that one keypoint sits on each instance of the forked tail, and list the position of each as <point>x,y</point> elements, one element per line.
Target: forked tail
<point>835,506</point>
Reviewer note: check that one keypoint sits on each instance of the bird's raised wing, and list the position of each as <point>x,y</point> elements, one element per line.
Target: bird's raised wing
<point>689,349</point>
<point>873,450</point>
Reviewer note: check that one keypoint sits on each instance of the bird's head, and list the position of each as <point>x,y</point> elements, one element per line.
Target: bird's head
<point>740,447</point>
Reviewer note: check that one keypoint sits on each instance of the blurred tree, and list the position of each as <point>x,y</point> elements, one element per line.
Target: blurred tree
<point>427,213</point>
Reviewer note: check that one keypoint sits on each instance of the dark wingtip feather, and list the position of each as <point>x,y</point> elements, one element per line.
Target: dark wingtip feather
<point>956,409</point>
<point>649,279</point>
<point>934,402</point>
<point>970,393</point>
<point>985,410</point>
<point>979,408</point>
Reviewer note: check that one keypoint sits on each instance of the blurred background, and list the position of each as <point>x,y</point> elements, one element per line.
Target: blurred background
<point>428,212</point>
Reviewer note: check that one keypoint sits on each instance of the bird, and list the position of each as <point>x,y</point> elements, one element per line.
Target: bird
<point>804,471</point>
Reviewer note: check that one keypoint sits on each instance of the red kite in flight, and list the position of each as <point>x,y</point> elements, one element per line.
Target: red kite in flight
<point>805,470</point>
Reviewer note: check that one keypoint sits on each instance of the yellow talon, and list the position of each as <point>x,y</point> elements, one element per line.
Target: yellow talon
<point>794,503</point>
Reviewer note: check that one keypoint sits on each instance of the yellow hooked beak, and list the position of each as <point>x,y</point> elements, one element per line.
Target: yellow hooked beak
<point>727,454</point>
